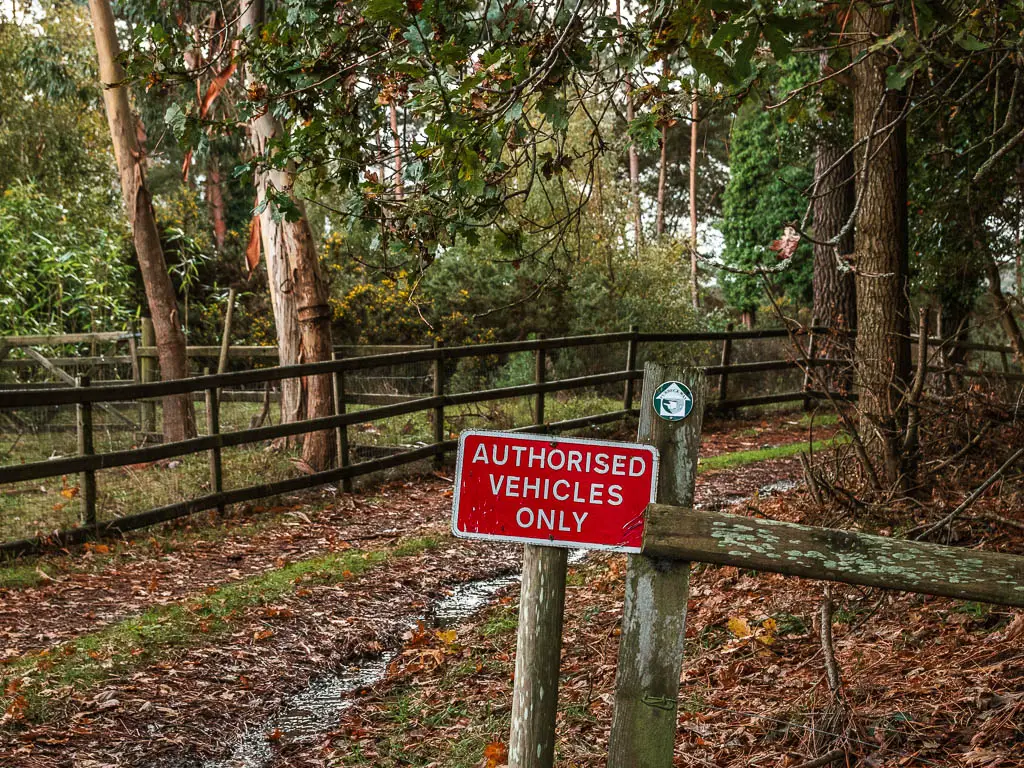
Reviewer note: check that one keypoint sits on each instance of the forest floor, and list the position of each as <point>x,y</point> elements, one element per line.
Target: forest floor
<point>229,642</point>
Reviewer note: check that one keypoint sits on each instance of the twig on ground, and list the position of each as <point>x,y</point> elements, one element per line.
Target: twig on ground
<point>972,443</point>
<point>975,495</point>
<point>812,481</point>
<point>830,757</point>
<point>825,631</point>
<point>993,517</point>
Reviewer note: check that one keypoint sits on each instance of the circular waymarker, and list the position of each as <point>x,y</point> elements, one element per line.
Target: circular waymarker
<point>673,401</point>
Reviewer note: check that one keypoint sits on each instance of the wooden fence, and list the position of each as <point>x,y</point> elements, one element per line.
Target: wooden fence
<point>651,646</point>
<point>86,397</point>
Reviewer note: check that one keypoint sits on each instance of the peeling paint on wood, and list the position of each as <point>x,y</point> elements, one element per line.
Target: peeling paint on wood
<point>654,615</point>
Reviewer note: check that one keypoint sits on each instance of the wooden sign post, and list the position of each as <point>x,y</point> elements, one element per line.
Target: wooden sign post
<point>654,615</point>
<point>538,656</point>
<point>551,494</point>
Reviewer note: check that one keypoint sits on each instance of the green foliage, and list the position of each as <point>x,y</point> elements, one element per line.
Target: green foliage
<point>64,258</point>
<point>52,130</point>
<point>771,165</point>
<point>63,267</point>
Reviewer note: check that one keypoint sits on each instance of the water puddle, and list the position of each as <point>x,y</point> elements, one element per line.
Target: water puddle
<point>779,486</point>
<point>307,714</point>
<point>317,709</point>
<point>724,502</point>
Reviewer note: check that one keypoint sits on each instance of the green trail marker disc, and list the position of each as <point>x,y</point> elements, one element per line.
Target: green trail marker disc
<point>673,401</point>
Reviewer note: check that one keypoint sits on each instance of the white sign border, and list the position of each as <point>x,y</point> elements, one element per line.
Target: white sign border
<point>655,460</point>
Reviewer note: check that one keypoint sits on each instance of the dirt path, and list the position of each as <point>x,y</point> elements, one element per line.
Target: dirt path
<point>143,574</point>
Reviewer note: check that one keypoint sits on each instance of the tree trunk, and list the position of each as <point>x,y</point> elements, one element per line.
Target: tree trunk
<point>694,297</point>
<point>835,296</point>
<point>659,227</point>
<point>179,421</point>
<point>1002,307</point>
<point>662,173</point>
<point>215,201</point>
<point>880,256</point>
<point>396,137</point>
<point>297,290</point>
<point>634,159</point>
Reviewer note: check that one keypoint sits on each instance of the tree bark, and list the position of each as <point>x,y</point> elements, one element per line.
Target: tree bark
<point>880,252</point>
<point>1002,307</point>
<point>179,421</point>
<point>662,173</point>
<point>297,289</point>
<point>215,201</point>
<point>659,227</point>
<point>396,137</point>
<point>694,297</point>
<point>634,159</point>
<point>835,296</point>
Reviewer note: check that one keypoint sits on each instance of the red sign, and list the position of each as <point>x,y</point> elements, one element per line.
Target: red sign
<point>588,494</point>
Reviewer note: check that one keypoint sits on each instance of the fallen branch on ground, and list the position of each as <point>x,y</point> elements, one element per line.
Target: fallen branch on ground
<point>975,495</point>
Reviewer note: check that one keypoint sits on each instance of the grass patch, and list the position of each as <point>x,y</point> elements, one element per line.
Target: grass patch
<point>502,621</point>
<point>32,680</point>
<point>819,419</point>
<point>41,506</point>
<point>743,458</point>
<point>24,575</point>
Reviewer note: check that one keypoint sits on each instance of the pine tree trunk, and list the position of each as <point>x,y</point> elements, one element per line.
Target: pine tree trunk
<point>880,255</point>
<point>835,296</point>
<point>396,137</point>
<point>659,227</point>
<point>178,414</point>
<point>298,292</point>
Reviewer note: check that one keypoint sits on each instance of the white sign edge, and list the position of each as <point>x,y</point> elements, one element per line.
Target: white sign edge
<point>655,468</point>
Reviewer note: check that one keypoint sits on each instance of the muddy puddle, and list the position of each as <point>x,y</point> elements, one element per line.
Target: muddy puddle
<point>316,710</point>
<point>771,489</point>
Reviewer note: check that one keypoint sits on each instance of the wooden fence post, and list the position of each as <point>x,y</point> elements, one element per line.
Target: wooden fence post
<point>225,339</point>
<point>531,743</point>
<point>342,431</point>
<point>631,349</point>
<point>654,615</point>
<point>147,408</point>
<point>133,353</point>
<point>539,369</point>
<point>439,433</point>
<point>213,428</point>
<point>723,380</point>
<point>87,480</point>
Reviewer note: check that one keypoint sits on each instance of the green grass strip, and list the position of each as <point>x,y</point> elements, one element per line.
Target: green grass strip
<point>743,458</point>
<point>141,639</point>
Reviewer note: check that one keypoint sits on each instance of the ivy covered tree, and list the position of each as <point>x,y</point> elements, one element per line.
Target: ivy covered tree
<point>770,170</point>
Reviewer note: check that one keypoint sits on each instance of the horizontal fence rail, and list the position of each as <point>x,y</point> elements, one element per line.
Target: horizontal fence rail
<point>212,390</point>
<point>849,557</point>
